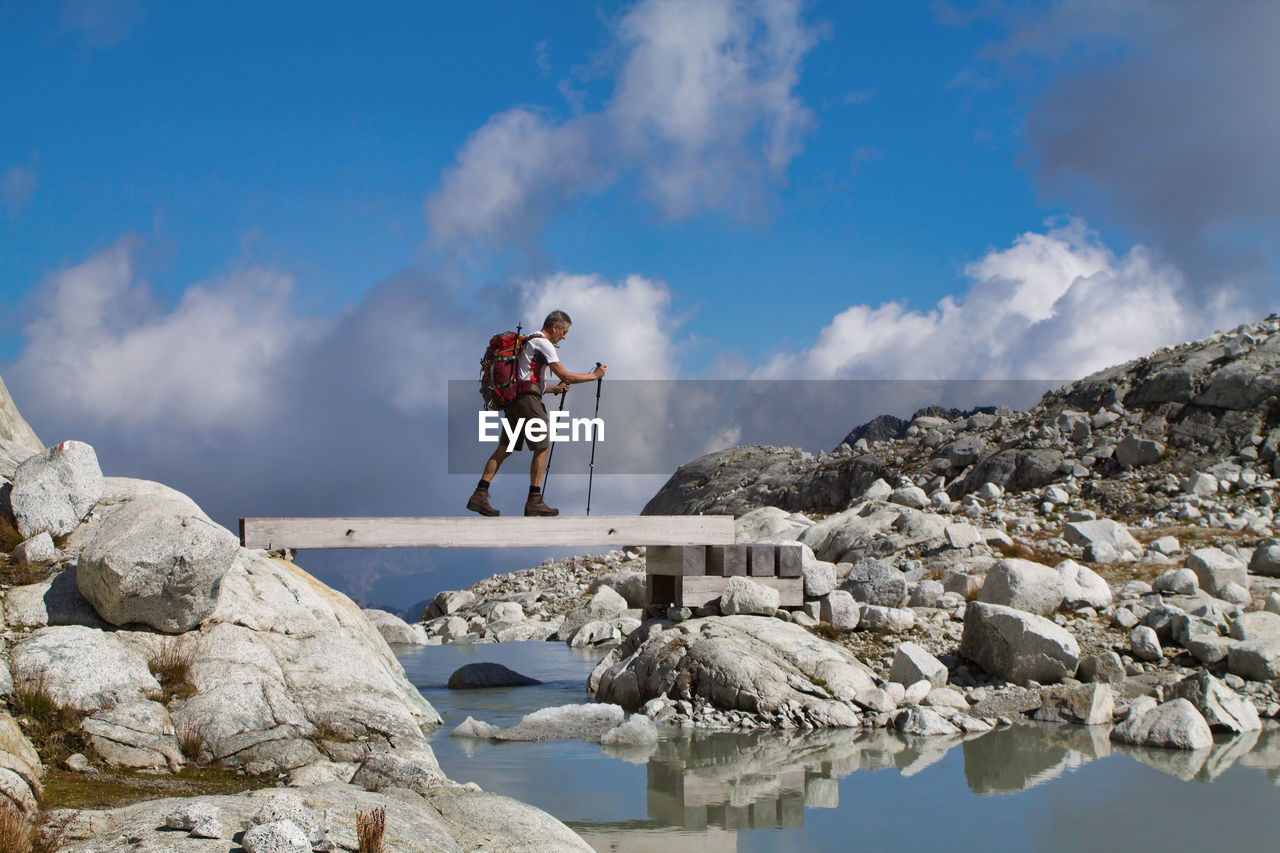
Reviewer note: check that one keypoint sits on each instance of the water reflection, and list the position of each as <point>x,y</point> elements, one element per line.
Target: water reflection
<point>729,782</point>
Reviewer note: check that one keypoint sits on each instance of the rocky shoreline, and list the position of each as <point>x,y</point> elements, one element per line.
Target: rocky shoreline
<point>1109,557</point>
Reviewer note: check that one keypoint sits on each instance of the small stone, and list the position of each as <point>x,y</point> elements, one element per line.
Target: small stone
<point>1177,582</point>
<point>1144,644</point>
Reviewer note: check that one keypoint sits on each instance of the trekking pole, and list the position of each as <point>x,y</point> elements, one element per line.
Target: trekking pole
<point>552,452</point>
<point>591,469</point>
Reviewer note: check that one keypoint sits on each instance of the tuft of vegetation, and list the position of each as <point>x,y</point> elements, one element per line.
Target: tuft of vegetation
<point>171,665</point>
<point>193,738</point>
<point>20,834</point>
<point>10,538</point>
<point>53,730</point>
<point>369,829</point>
<point>326,732</point>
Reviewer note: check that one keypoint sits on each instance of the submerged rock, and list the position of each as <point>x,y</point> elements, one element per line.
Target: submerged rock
<point>479,675</point>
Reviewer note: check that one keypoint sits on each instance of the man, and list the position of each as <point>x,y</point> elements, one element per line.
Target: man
<point>536,356</point>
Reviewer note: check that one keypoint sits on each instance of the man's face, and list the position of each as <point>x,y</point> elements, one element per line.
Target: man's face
<point>557,334</point>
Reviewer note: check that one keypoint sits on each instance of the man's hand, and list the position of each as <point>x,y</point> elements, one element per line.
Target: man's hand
<point>558,389</point>
<point>598,373</point>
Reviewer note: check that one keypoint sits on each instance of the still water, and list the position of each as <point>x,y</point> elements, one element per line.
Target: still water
<point>1032,787</point>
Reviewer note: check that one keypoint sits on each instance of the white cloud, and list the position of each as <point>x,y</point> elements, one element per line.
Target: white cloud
<point>104,349</point>
<point>627,326</point>
<point>17,187</point>
<point>703,109</point>
<point>1052,306</point>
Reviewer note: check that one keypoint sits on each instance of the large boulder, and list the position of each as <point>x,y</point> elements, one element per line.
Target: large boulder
<point>1099,535</point>
<point>1174,725</point>
<point>1082,586</point>
<point>1222,708</point>
<point>395,630</point>
<point>284,657</point>
<point>1024,585</point>
<point>743,596</point>
<point>54,490</point>
<point>756,664</point>
<point>876,582</point>
<point>156,562</point>
<point>1215,569</point>
<point>1017,646</point>
<point>912,663</point>
<point>1266,559</point>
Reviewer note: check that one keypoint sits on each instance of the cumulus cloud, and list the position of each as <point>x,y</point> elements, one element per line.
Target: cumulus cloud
<point>1162,114</point>
<point>1057,305</point>
<point>703,112</point>
<point>17,187</point>
<point>105,350</point>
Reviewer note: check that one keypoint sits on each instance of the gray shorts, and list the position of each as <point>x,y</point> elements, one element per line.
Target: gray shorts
<point>527,406</point>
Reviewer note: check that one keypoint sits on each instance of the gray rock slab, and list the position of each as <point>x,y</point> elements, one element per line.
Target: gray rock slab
<point>395,630</point>
<point>55,489</point>
<point>839,610</point>
<point>747,663</point>
<point>745,597</point>
<point>1222,708</point>
<point>912,663</point>
<point>1215,569</point>
<point>1173,725</point>
<point>484,821</point>
<point>1256,660</point>
<point>876,582</point>
<point>1103,531</point>
<point>84,668</point>
<point>1017,646</point>
<point>1023,585</point>
<point>587,722</point>
<point>1084,704</point>
<point>155,562</point>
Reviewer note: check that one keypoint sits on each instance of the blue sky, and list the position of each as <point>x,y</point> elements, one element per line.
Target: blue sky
<point>245,244</point>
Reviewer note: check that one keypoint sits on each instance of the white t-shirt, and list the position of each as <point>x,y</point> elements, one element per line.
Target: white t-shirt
<point>536,352</point>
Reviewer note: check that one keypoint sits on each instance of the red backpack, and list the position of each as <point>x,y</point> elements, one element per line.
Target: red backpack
<point>498,382</point>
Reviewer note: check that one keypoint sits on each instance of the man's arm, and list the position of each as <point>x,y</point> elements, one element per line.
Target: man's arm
<point>575,378</point>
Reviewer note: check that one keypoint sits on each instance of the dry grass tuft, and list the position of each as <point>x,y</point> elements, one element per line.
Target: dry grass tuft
<point>20,834</point>
<point>171,665</point>
<point>54,730</point>
<point>369,829</point>
<point>193,738</point>
<point>10,538</point>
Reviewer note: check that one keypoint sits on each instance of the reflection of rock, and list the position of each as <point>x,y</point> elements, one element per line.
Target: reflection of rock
<point>1265,755</point>
<point>1021,757</point>
<point>1225,753</point>
<point>1182,764</point>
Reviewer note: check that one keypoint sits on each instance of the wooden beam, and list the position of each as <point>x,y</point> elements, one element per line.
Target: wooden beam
<point>676,560</point>
<point>478,532</point>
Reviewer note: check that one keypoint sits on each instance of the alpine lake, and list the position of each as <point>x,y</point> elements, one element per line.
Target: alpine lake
<point>1038,786</point>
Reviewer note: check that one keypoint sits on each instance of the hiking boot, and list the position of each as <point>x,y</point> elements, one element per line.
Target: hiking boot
<point>536,506</point>
<point>480,503</point>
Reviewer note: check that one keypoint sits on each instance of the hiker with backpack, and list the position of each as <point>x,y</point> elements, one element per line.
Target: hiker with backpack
<point>514,379</point>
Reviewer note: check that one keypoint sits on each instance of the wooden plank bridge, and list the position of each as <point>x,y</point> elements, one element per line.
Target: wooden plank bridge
<point>689,557</point>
